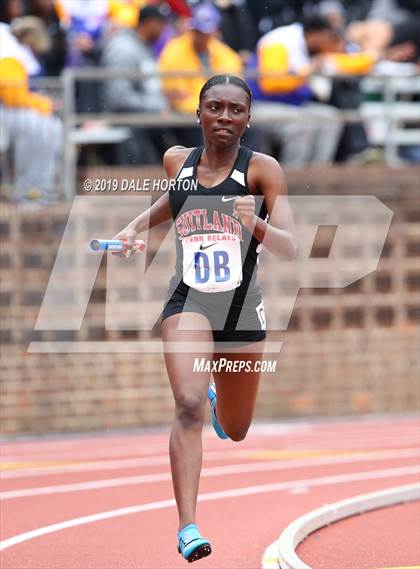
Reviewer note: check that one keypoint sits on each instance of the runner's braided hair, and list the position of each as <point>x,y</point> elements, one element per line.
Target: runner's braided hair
<point>225,80</point>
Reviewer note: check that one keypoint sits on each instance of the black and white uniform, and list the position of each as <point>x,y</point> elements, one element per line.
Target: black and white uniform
<point>216,256</point>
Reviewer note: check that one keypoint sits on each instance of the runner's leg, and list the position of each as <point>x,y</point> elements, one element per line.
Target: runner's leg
<point>237,392</point>
<point>190,393</point>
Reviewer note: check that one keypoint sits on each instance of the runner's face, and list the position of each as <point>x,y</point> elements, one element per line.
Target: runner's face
<point>224,114</point>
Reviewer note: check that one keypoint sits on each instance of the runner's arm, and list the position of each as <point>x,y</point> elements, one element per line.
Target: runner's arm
<point>278,234</point>
<point>160,211</point>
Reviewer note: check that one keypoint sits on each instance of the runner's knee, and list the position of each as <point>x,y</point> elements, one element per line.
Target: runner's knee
<point>236,433</point>
<point>190,410</point>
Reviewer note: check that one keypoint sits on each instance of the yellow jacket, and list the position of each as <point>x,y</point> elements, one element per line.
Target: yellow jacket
<point>352,63</point>
<point>283,51</point>
<point>120,12</point>
<point>179,55</point>
<point>14,88</point>
<point>125,12</point>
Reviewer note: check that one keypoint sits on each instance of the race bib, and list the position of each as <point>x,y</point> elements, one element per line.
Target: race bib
<point>212,262</point>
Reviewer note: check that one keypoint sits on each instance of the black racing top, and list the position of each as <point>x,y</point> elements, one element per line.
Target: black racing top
<point>199,211</point>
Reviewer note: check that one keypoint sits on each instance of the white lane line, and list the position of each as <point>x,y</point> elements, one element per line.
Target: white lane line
<point>311,431</point>
<point>136,446</point>
<point>232,454</point>
<point>209,472</point>
<point>359,443</point>
<point>233,493</point>
<point>296,532</point>
<point>134,450</point>
<point>129,451</point>
<point>67,443</point>
<point>163,459</point>
<point>85,467</point>
<point>301,435</point>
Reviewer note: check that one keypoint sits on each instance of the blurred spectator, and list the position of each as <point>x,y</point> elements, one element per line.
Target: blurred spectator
<point>125,12</point>
<point>272,14</point>
<point>334,12</point>
<point>31,33</point>
<point>180,7</point>
<point>353,142</point>
<point>337,11</point>
<point>308,131</point>
<point>196,51</point>
<point>84,22</point>
<point>237,27</point>
<point>393,11</point>
<point>10,9</point>
<point>345,92</point>
<point>168,32</point>
<point>297,52</point>
<point>378,35</point>
<point>53,59</point>
<point>175,24</point>
<point>33,132</point>
<point>129,49</point>
<point>390,32</point>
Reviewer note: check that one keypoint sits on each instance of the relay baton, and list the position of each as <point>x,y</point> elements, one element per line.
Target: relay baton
<point>113,245</point>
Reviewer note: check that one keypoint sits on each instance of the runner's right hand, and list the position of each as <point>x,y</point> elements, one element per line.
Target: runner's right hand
<point>128,235</point>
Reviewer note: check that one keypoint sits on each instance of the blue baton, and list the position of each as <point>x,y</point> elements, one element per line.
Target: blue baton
<point>112,245</point>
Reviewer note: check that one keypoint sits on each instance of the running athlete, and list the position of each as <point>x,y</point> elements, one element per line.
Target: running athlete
<point>214,296</point>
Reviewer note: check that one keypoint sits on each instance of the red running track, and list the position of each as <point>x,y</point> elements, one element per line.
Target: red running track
<point>91,502</point>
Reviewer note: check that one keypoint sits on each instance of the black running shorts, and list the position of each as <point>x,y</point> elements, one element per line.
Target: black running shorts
<point>244,323</point>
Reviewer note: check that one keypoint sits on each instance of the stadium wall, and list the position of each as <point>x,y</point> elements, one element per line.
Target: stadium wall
<point>346,352</point>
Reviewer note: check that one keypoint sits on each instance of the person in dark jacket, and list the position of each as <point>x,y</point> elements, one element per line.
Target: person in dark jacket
<point>54,59</point>
<point>130,49</point>
<point>237,27</point>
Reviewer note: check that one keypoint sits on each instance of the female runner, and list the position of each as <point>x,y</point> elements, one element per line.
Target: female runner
<point>214,296</point>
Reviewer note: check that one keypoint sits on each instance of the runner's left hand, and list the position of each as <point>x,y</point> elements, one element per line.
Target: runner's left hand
<point>244,209</point>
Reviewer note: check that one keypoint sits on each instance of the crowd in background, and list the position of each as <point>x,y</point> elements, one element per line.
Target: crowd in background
<point>255,38</point>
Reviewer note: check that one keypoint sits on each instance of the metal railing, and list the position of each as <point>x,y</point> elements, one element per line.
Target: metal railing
<point>389,109</point>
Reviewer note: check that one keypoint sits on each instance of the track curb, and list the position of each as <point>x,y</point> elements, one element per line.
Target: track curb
<point>282,553</point>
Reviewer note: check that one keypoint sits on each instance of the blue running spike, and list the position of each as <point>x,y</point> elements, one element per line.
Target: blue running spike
<point>191,544</point>
<point>211,394</point>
